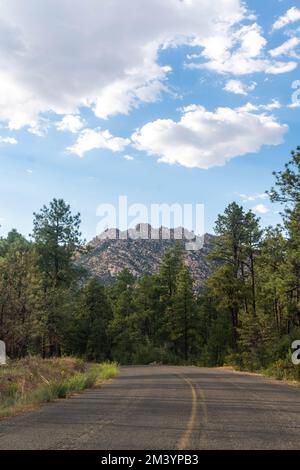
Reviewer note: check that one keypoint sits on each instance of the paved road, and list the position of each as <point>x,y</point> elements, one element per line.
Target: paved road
<point>153,407</point>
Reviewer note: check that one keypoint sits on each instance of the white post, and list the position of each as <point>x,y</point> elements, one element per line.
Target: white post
<point>2,353</point>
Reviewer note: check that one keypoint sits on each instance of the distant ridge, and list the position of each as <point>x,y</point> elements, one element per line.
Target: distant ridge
<point>140,250</point>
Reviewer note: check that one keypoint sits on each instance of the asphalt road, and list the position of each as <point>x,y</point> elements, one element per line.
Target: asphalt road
<point>153,407</point>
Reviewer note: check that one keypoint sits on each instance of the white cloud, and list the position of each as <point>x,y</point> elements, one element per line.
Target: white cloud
<point>260,209</point>
<point>121,96</point>
<point>294,105</point>
<point>59,55</point>
<point>8,140</point>
<point>286,48</point>
<point>71,123</point>
<point>275,104</point>
<point>90,139</point>
<point>128,157</point>
<point>253,197</point>
<point>239,88</point>
<point>205,139</point>
<point>291,16</point>
<point>240,53</point>
<point>250,107</point>
<point>39,127</point>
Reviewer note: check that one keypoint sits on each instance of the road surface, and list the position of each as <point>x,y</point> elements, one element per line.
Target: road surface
<point>162,407</point>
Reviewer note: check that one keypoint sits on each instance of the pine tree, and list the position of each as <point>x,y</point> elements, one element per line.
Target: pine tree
<point>19,281</point>
<point>57,237</point>
<point>227,282</point>
<point>287,192</point>
<point>92,338</point>
<point>183,321</point>
<point>123,329</point>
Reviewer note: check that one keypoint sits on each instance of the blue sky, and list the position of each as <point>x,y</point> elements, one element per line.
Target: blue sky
<point>206,88</point>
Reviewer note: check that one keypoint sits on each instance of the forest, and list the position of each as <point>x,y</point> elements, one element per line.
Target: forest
<point>247,315</point>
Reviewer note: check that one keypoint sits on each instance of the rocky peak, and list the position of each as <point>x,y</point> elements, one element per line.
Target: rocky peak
<point>140,250</point>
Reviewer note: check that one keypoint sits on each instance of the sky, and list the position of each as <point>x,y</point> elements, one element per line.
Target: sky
<point>180,101</point>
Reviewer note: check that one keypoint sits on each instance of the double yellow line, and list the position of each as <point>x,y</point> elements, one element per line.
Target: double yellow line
<point>185,438</point>
<point>183,442</point>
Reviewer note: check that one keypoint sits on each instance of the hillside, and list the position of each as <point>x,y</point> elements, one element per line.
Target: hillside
<point>106,257</point>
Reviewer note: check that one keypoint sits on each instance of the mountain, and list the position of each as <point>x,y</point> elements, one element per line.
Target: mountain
<point>140,250</point>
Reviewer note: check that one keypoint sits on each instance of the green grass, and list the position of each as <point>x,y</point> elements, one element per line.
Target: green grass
<point>29,382</point>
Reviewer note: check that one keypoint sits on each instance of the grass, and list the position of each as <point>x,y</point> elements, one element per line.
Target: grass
<point>26,383</point>
<point>282,369</point>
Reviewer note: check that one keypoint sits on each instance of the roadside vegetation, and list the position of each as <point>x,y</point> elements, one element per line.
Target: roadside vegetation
<point>247,315</point>
<point>31,381</point>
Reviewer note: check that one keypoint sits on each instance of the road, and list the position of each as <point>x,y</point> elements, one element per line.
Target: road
<point>162,407</point>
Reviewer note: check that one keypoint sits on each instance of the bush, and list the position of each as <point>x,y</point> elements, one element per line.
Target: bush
<point>284,369</point>
<point>147,354</point>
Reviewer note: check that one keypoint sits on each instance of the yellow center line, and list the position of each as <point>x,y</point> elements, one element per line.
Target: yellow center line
<point>185,438</point>
<point>203,436</point>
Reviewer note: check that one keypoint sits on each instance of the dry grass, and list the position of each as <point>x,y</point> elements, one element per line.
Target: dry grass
<point>31,381</point>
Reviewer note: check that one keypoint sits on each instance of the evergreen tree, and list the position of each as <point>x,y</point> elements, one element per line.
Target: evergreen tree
<point>57,237</point>
<point>183,325</point>
<point>229,250</point>
<point>125,335</point>
<point>18,284</point>
<point>287,192</point>
<point>92,338</point>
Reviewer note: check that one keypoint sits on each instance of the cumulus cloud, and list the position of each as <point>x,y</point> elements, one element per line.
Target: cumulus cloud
<point>253,197</point>
<point>260,209</point>
<point>250,107</point>
<point>291,16</point>
<point>288,47</point>
<point>239,88</point>
<point>90,139</point>
<point>241,53</point>
<point>71,123</point>
<point>59,55</point>
<point>63,55</point>
<point>8,140</point>
<point>39,127</point>
<point>205,139</point>
<point>145,85</point>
